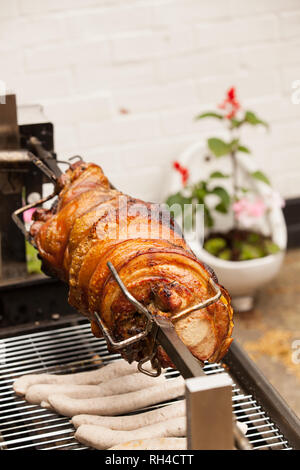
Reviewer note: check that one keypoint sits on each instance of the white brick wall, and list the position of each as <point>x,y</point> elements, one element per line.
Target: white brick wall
<point>123,79</point>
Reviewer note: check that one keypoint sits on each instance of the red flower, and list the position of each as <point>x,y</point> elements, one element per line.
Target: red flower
<point>183,171</point>
<point>231,94</point>
<point>230,104</point>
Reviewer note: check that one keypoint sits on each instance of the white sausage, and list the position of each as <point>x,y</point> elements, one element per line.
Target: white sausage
<point>46,404</point>
<point>163,443</point>
<point>103,438</point>
<point>139,439</point>
<point>129,383</point>
<point>243,427</point>
<point>118,404</point>
<point>94,377</point>
<point>127,423</point>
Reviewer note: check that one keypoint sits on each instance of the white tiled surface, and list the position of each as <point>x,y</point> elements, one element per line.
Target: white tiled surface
<point>161,61</point>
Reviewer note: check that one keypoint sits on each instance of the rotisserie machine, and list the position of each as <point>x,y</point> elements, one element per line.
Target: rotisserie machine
<point>40,332</point>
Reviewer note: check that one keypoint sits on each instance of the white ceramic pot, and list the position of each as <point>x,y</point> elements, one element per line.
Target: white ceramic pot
<point>241,278</point>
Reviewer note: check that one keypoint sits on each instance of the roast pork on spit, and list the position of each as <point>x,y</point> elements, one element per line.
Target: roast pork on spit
<point>90,224</point>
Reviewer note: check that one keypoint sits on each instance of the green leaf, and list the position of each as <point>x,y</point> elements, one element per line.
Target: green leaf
<point>218,174</point>
<point>199,191</point>
<point>210,114</point>
<point>218,146</point>
<point>233,145</point>
<point>214,245</point>
<point>244,190</point>
<point>236,122</point>
<point>252,119</point>
<point>221,208</point>
<point>242,148</point>
<point>179,199</point>
<point>208,219</point>
<point>250,252</point>
<point>254,238</point>
<point>200,194</point>
<point>224,198</point>
<point>271,247</point>
<point>259,175</point>
<point>225,254</point>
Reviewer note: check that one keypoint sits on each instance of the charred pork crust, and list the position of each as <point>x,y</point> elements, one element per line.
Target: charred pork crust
<point>77,237</point>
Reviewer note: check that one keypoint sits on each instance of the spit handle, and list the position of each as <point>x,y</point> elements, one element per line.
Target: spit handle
<point>46,157</point>
<point>182,358</point>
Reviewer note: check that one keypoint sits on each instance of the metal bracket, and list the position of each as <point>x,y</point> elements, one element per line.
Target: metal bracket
<point>52,171</point>
<point>153,323</point>
<point>204,304</point>
<point>120,344</point>
<point>209,412</point>
<point>142,309</point>
<point>18,212</point>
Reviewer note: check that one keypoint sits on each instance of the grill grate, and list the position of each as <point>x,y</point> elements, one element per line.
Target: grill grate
<point>75,349</point>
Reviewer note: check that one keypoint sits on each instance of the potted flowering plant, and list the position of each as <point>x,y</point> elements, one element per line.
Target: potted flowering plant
<point>240,199</point>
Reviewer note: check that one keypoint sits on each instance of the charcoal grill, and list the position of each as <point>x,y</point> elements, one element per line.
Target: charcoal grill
<point>73,348</point>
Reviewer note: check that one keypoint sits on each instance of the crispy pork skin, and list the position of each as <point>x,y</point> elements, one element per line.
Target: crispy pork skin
<point>90,224</point>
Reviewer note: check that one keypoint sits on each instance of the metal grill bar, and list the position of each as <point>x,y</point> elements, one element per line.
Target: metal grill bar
<point>20,342</point>
<point>64,347</point>
<point>75,349</point>
<point>272,446</point>
<point>42,428</point>
<point>28,426</point>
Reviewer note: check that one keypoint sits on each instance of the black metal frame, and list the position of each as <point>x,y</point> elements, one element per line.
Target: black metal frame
<point>35,299</point>
<point>291,213</point>
<point>253,381</point>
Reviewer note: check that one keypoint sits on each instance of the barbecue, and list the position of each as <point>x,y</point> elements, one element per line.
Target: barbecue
<point>72,348</point>
<point>270,422</point>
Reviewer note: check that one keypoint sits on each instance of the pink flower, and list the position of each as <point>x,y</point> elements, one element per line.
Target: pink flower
<point>247,211</point>
<point>27,216</point>
<point>240,206</point>
<point>257,209</point>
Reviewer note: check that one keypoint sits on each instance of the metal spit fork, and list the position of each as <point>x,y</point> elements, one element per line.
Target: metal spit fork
<point>210,422</point>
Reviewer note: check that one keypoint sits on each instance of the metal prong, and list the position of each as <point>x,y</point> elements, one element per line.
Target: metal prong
<point>16,213</point>
<point>140,307</point>
<point>204,304</point>
<point>154,324</point>
<point>119,344</point>
<point>76,156</point>
<point>64,162</point>
<point>148,372</point>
